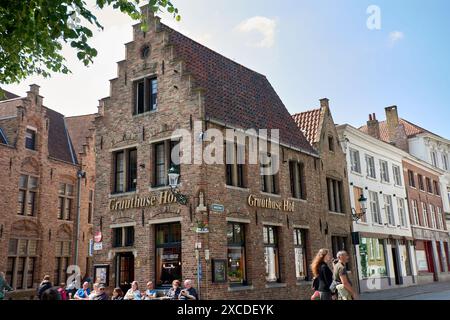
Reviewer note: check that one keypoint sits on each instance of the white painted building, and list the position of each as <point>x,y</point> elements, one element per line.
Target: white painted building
<point>385,252</point>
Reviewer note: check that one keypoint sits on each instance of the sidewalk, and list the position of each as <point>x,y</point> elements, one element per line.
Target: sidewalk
<point>408,292</point>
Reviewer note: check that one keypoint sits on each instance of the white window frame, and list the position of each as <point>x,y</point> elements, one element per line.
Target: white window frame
<point>384,171</point>
<point>425,221</point>
<point>370,165</point>
<point>434,159</point>
<point>415,211</point>
<point>389,210</point>
<point>375,207</point>
<point>355,161</point>
<point>402,212</point>
<point>397,175</point>
<point>445,161</point>
<point>440,218</point>
<point>433,217</point>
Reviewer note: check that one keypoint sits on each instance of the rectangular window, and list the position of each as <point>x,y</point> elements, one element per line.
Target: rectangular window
<point>357,192</point>
<point>402,212</point>
<point>384,167</point>
<point>440,219</point>
<point>437,190</point>
<point>412,181</point>
<point>301,264</point>
<point>146,95</point>
<point>62,261</point>
<point>425,216</point>
<point>370,165</point>
<point>389,210</point>
<point>235,165</point>
<point>91,206</point>
<point>168,254</point>
<point>162,159</point>
<point>373,262</point>
<point>355,161</point>
<point>397,176</point>
<point>433,217</point>
<point>331,143</point>
<point>297,179</point>
<point>65,201</point>
<point>125,170</point>
<point>237,263</point>
<point>335,196</point>
<point>271,254</point>
<point>434,161</point>
<point>26,201</point>
<point>269,179</point>
<point>445,161</point>
<point>21,263</point>
<point>375,207</point>
<point>123,237</point>
<point>30,139</point>
<point>421,183</point>
<point>429,185</point>
<point>339,243</point>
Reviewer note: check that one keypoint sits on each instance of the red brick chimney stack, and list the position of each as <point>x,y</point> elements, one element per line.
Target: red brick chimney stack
<point>373,126</point>
<point>396,130</point>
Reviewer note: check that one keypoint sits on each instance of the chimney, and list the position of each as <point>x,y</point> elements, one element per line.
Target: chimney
<point>373,126</point>
<point>33,95</point>
<point>396,131</point>
<point>325,103</point>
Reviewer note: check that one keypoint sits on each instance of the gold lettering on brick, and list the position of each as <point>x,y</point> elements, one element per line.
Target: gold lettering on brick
<point>267,203</point>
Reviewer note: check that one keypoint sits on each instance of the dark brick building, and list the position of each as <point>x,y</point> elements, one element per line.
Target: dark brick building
<point>40,232</point>
<point>225,237</point>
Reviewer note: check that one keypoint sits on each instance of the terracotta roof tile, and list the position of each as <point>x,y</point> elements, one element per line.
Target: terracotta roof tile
<point>309,122</point>
<point>410,128</point>
<point>236,95</point>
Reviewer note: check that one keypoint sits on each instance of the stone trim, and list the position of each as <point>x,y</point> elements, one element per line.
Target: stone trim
<point>274,224</point>
<point>238,220</point>
<point>165,220</point>
<point>134,145</point>
<point>122,225</point>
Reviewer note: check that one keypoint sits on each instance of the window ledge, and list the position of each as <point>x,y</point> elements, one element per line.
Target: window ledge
<point>356,173</point>
<point>337,213</point>
<point>237,188</point>
<point>270,194</point>
<point>240,288</point>
<point>298,200</point>
<point>163,188</point>
<point>275,285</point>
<point>119,195</point>
<point>147,113</point>
<point>371,178</point>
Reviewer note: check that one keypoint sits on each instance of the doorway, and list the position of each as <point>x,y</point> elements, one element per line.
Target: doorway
<point>398,280</point>
<point>124,270</point>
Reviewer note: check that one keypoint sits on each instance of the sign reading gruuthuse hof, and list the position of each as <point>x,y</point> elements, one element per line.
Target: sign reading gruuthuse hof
<point>136,202</point>
<point>267,203</point>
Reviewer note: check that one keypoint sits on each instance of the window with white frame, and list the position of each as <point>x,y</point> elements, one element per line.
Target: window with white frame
<point>415,212</point>
<point>425,215</point>
<point>402,212</point>
<point>384,170</point>
<point>440,218</point>
<point>433,216</point>
<point>389,210</point>
<point>370,165</point>
<point>434,161</point>
<point>355,161</point>
<point>445,161</point>
<point>397,175</point>
<point>375,207</point>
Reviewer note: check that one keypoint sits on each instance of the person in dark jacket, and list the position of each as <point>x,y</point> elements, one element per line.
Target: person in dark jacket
<point>45,285</point>
<point>321,271</point>
<point>101,294</point>
<point>51,294</point>
<point>4,286</point>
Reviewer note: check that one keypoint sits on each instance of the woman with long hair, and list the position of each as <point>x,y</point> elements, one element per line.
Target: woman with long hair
<point>322,272</point>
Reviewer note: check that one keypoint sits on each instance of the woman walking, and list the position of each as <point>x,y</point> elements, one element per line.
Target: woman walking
<point>4,286</point>
<point>322,271</point>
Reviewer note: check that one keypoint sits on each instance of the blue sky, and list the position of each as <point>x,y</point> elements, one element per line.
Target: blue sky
<point>307,49</point>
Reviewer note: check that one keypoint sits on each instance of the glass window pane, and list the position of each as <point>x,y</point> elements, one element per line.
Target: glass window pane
<point>23,181</point>
<point>62,188</point>
<point>30,273</point>
<point>230,229</point>
<point>168,265</point>
<point>32,247</point>
<point>23,247</point>
<point>236,265</point>
<point>132,170</point>
<point>300,263</point>
<point>160,168</point>
<point>33,182</point>
<point>69,190</point>
<point>12,248</point>
<point>271,263</point>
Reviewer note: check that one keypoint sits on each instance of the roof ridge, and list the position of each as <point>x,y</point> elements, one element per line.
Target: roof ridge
<point>81,115</point>
<point>213,51</point>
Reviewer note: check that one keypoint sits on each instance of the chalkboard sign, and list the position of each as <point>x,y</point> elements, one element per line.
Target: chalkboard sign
<point>219,269</point>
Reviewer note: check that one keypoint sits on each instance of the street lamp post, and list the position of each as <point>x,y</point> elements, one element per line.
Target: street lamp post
<point>174,176</point>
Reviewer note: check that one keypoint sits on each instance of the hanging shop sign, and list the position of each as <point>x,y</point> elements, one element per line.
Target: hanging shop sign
<point>267,203</point>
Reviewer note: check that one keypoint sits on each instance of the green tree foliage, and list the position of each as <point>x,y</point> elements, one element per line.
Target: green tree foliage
<point>32,33</point>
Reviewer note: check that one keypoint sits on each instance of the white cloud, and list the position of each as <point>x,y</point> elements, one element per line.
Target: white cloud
<point>265,26</point>
<point>395,36</point>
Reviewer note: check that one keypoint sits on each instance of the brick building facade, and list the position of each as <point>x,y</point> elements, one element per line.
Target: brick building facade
<point>335,220</point>
<point>225,238</point>
<point>38,188</point>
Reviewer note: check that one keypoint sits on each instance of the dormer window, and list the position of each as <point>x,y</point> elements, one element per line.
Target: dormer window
<point>146,95</point>
<point>30,139</point>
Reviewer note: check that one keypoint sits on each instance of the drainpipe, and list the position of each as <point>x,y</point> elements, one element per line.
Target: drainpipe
<point>80,174</point>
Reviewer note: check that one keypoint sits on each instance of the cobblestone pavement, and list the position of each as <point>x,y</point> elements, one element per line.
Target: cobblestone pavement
<point>433,291</point>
